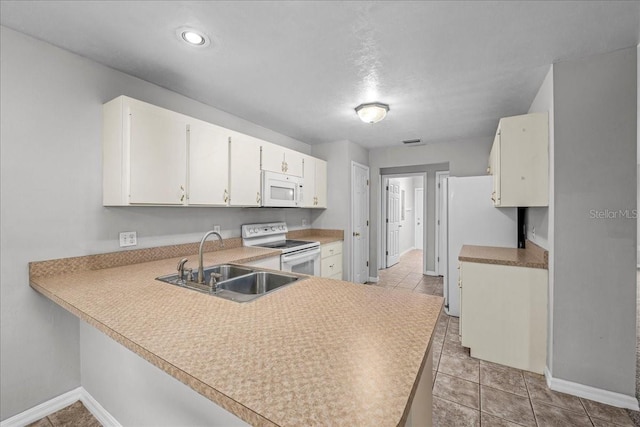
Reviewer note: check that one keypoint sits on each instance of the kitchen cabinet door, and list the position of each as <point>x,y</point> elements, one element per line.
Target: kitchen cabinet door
<point>208,164</point>
<point>321,184</point>
<point>315,183</point>
<point>503,314</point>
<point>520,161</point>
<point>309,183</point>
<point>276,158</point>
<point>244,170</point>
<point>158,151</point>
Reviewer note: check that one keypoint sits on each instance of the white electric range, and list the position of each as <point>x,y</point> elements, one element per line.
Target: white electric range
<point>298,256</point>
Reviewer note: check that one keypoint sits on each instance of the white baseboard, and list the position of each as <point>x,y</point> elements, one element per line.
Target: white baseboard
<point>587,392</point>
<point>432,273</point>
<point>373,279</point>
<point>49,407</point>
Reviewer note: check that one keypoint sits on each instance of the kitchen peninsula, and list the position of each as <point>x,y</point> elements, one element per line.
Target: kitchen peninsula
<point>319,351</point>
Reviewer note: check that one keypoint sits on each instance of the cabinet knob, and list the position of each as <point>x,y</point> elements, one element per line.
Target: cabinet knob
<point>226,195</point>
<point>258,197</point>
<point>356,234</point>
<point>182,196</point>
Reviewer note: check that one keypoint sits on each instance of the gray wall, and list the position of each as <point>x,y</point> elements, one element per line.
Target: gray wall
<point>339,156</point>
<point>594,309</point>
<point>51,202</point>
<point>465,158</point>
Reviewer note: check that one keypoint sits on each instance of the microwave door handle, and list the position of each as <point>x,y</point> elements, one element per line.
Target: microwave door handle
<point>305,254</point>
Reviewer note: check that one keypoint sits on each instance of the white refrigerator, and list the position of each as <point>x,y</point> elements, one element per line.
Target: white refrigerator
<point>473,220</point>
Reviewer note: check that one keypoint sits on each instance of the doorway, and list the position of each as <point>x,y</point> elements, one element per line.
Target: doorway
<point>442,197</point>
<point>419,219</point>
<point>359,223</point>
<point>402,221</point>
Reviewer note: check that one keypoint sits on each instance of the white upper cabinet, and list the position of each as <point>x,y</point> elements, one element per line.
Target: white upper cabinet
<point>208,148</point>
<point>276,158</point>
<point>244,170</point>
<point>315,183</point>
<point>154,156</point>
<point>519,161</point>
<point>144,154</point>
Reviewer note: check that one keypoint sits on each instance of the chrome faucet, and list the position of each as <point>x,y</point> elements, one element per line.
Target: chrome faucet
<point>200,266</point>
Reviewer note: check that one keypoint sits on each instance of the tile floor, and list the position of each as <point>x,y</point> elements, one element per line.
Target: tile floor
<point>75,415</point>
<point>472,392</point>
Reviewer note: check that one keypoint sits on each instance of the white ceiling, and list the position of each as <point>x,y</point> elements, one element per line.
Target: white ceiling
<point>449,70</point>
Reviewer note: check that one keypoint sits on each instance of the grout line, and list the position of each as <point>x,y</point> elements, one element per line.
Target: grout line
<point>586,412</point>
<point>526,386</point>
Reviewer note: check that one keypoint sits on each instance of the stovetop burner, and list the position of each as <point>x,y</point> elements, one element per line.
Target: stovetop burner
<point>284,245</point>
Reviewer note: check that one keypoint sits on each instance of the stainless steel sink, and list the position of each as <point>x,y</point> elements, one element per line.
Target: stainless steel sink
<point>256,284</point>
<point>236,283</point>
<point>226,272</point>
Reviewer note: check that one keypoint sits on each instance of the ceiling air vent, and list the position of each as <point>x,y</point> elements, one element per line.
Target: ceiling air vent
<point>413,142</point>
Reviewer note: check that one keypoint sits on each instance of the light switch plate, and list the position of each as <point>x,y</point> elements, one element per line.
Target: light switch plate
<point>128,238</point>
<point>216,228</point>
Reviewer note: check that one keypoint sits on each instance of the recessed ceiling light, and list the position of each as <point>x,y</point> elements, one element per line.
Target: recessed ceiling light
<point>372,112</point>
<point>192,37</point>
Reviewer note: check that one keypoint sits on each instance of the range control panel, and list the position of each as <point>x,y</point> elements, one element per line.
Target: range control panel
<point>260,230</point>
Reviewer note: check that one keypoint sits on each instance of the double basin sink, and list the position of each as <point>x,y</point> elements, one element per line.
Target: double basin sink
<point>234,282</point>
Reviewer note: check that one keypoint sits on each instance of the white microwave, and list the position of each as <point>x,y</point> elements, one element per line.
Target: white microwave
<point>280,190</point>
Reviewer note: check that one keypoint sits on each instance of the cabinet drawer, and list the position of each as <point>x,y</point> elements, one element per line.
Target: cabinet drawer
<point>331,266</point>
<point>330,249</point>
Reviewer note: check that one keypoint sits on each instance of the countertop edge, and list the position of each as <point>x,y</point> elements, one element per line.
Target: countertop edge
<point>532,256</point>
<point>190,381</point>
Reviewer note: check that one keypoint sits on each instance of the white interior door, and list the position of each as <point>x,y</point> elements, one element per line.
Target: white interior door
<point>360,222</point>
<point>441,223</point>
<point>419,218</point>
<point>393,222</point>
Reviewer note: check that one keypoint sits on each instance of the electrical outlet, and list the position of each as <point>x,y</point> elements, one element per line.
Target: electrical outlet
<point>216,228</point>
<point>304,222</point>
<point>128,238</point>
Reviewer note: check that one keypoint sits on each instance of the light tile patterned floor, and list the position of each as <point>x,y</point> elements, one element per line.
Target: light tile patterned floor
<point>472,392</point>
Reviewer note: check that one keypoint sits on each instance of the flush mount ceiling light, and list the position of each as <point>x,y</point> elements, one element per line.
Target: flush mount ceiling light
<point>372,112</point>
<point>192,37</point>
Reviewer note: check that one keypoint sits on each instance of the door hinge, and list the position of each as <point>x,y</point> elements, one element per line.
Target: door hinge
<point>367,223</point>
<point>387,188</point>
<point>438,259</point>
<point>446,306</point>
<point>367,263</point>
<point>387,253</point>
<point>367,182</point>
<point>438,222</point>
<point>438,185</point>
<point>387,220</point>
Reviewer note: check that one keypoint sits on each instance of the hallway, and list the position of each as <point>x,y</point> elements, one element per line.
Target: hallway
<point>407,274</point>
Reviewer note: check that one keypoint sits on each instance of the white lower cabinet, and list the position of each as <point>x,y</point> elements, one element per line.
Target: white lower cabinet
<point>331,260</point>
<point>503,314</point>
<point>272,263</point>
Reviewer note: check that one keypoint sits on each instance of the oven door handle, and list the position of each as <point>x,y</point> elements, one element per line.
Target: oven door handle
<point>304,254</point>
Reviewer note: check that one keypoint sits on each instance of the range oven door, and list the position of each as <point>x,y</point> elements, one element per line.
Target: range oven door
<point>280,191</point>
<point>303,262</point>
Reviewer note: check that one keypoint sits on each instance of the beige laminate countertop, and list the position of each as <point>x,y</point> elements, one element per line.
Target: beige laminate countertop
<point>317,352</point>
<point>532,256</point>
